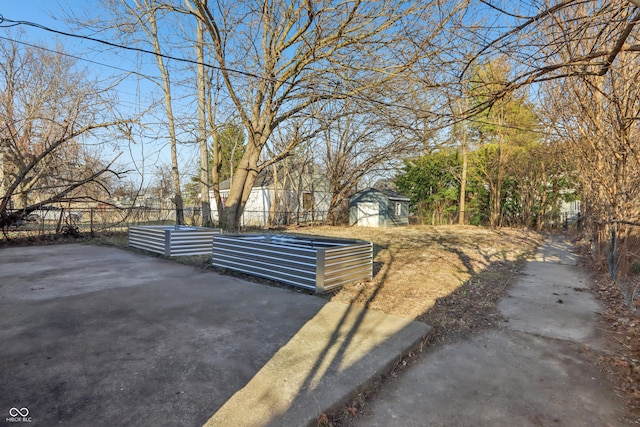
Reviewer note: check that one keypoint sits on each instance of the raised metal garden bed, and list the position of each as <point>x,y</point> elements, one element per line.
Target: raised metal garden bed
<point>316,263</point>
<point>171,240</point>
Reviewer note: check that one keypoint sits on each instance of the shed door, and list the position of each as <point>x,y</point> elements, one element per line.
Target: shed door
<point>368,214</point>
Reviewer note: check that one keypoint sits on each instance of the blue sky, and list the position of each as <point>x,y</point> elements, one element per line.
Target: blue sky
<point>31,10</point>
<point>134,93</point>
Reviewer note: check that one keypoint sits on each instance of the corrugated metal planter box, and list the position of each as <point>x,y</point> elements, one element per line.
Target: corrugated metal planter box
<point>310,262</point>
<point>171,240</point>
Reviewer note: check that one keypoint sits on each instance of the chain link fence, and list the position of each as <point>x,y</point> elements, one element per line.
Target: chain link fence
<point>616,246</point>
<point>92,221</point>
<point>87,221</point>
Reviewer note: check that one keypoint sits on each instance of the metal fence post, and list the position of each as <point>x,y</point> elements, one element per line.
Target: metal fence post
<point>91,222</point>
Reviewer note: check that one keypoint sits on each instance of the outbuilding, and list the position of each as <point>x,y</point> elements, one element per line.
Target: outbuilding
<point>300,198</point>
<point>378,208</point>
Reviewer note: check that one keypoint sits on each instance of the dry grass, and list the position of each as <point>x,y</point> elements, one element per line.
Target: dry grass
<point>447,276</point>
<point>621,323</point>
<point>418,265</point>
<point>622,362</point>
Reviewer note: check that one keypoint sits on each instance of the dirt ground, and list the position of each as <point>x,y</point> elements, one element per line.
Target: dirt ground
<point>448,276</point>
<point>623,327</point>
<point>453,278</point>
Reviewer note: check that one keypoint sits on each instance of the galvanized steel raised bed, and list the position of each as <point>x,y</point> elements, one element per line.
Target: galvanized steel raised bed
<point>310,262</point>
<point>171,240</point>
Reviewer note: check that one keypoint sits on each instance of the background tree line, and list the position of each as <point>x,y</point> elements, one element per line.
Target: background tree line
<point>496,168</point>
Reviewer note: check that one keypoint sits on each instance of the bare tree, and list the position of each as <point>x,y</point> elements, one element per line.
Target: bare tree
<point>553,40</point>
<point>597,117</point>
<point>52,115</point>
<point>586,53</point>
<point>278,59</point>
<point>138,24</point>
<point>146,15</point>
<point>356,143</point>
<point>205,203</point>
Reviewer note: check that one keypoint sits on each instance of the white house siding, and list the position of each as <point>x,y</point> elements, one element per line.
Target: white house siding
<point>256,211</point>
<point>570,210</point>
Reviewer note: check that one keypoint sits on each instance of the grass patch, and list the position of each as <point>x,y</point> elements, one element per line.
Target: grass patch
<point>417,266</point>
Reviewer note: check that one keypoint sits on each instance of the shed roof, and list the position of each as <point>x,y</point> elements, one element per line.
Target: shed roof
<point>390,194</point>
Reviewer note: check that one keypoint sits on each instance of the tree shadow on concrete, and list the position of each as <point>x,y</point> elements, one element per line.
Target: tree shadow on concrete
<point>471,307</point>
<point>334,360</point>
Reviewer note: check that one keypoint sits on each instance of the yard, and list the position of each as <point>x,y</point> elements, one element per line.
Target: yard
<point>448,276</point>
<point>452,278</point>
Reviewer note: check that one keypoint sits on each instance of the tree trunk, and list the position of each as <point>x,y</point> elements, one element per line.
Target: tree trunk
<point>205,203</point>
<point>332,217</point>
<point>217,153</point>
<point>543,200</point>
<point>243,181</point>
<point>496,214</point>
<point>276,197</point>
<point>166,84</point>
<point>215,173</point>
<point>463,179</point>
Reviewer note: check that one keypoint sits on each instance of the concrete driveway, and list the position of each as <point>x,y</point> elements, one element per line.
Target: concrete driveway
<point>101,336</point>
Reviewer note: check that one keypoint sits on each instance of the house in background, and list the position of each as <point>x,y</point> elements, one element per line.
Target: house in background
<point>378,208</point>
<point>570,212</point>
<point>302,197</point>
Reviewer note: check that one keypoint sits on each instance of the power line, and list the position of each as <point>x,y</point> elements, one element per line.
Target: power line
<point>189,61</point>
<point>137,49</point>
<point>102,64</point>
<point>121,102</point>
<point>131,48</point>
<point>77,57</point>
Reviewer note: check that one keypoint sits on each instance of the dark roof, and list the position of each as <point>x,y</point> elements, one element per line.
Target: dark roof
<point>391,195</point>
<point>264,179</point>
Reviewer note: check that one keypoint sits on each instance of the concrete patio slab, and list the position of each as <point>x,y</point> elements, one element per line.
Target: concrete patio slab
<point>101,336</point>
